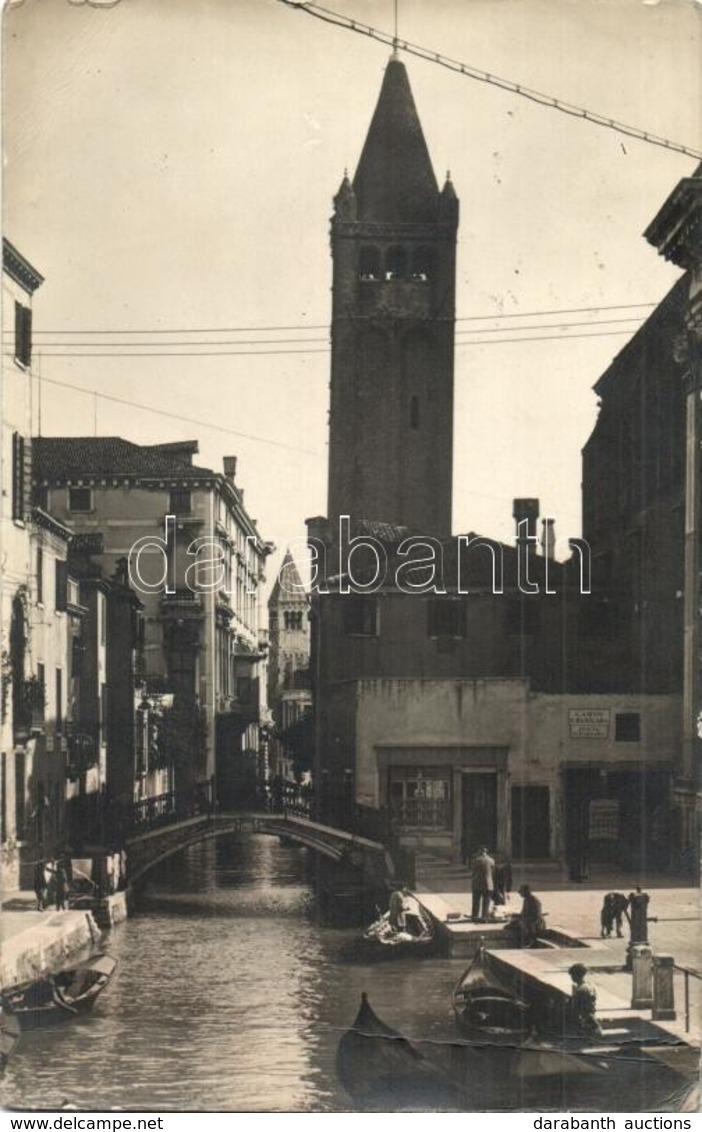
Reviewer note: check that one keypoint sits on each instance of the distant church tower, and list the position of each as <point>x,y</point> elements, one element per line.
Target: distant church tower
<point>393,239</point>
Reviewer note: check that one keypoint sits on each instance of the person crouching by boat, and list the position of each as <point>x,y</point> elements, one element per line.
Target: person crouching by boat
<point>529,924</point>
<point>396,912</point>
<point>614,907</point>
<point>583,1001</point>
<point>482,886</point>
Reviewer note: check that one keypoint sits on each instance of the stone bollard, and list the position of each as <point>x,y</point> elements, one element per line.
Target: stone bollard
<point>663,989</point>
<point>642,980</point>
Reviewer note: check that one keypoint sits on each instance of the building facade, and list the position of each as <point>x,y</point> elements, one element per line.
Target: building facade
<point>289,691</point>
<point>470,691</point>
<point>196,562</point>
<point>36,607</point>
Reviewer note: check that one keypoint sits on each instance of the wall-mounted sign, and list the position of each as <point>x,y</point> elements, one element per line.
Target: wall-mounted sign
<point>589,723</point>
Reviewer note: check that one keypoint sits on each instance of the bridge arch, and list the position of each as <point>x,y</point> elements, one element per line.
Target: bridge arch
<point>148,849</point>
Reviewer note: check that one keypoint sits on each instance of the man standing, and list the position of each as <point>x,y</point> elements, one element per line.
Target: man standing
<point>482,884</point>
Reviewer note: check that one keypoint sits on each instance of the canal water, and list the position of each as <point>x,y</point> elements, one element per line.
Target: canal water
<point>230,994</point>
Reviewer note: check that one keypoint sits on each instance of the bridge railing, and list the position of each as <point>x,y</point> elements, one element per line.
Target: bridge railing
<point>162,809</point>
<point>291,798</point>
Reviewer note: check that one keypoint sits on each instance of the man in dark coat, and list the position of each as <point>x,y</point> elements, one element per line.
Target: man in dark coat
<point>530,922</point>
<point>482,884</point>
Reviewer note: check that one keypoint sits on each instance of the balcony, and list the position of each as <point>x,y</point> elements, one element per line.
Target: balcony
<point>28,705</point>
<point>81,739</point>
<point>182,603</point>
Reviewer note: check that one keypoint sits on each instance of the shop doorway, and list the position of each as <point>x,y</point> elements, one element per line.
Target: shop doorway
<point>479,813</point>
<point>531,823</point>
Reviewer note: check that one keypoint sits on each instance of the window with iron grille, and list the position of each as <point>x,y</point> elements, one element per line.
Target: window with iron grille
<point>420,797</point>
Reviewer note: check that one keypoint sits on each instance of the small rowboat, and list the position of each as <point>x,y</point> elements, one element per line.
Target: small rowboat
<point>382,1071</point>
<point>57,998</point>
<point>416,933</point>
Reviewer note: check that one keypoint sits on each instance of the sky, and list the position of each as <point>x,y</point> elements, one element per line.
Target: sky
<point>169,167</point>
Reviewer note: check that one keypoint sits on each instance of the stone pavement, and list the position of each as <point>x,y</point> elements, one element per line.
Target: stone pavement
<point>576,907</point>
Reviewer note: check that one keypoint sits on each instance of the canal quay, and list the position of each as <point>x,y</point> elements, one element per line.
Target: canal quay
<point>232,992</point>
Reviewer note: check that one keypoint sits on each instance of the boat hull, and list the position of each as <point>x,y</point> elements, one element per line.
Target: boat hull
<point>58,998</point>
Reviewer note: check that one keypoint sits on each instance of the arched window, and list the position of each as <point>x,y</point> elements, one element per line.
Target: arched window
<point>395,263</point>
<point>414,412</point>
<point>369,264</point>
<point>423,264</point>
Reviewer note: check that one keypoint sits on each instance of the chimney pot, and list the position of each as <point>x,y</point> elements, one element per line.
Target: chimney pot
<point>526,509</point>
<point>230,467</point>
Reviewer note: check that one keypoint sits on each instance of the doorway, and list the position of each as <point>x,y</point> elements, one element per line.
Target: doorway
<point>479,813</point>
<point>531,824</point>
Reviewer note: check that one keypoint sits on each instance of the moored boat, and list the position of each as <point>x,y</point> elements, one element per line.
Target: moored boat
<point>380,1069</point>
<point>9,1036</point>
<point>409,930</point>
<point>485,1008</point>
<point>59,997</point>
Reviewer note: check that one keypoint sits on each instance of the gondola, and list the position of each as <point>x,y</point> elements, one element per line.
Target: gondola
<point>486,1009</point>
<point>59,997</point>
<point>418,934</point>
<point>382,1071</point>
<point>9,1037</point>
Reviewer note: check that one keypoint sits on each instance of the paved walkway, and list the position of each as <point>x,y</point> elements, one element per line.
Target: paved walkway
<point>676,930</point>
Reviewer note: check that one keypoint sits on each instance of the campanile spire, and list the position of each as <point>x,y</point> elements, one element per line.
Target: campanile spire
<point>393,237</point>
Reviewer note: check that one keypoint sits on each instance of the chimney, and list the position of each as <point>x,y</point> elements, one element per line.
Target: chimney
<point>230,467</point>
<point>548,538</point>
<point>526,509</point>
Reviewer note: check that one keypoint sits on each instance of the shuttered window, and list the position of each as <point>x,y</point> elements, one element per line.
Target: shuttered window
<point>18,479</point>
<point>23,334</point>
<point>61,585</point>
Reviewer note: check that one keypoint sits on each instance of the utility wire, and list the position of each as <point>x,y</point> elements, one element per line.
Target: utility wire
<point>299,341</point>
<point>198,353</point>
<point>178,417</point>
<point>325,325</point>
<point>484,76</point>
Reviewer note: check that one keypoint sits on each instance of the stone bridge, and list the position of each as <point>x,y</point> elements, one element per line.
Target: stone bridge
<point>368,859</point>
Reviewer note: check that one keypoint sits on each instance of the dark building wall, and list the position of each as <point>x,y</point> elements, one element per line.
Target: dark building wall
<point>121,627</point>
<point>633,511</point>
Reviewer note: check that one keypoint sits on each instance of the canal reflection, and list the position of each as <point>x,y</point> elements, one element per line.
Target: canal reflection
<point>230,995</point>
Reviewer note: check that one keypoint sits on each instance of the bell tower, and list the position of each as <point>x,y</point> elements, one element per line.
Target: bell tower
<point>393,242</point>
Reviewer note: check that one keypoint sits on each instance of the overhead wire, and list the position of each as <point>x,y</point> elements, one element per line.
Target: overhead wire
<point>178,416</point>
<point>196,352</point>
<point>262,328</point>
<point>330,17</point>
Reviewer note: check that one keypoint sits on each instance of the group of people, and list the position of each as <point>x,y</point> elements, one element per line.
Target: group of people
<point>491,882</point>
<point>52,882</point>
